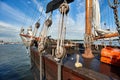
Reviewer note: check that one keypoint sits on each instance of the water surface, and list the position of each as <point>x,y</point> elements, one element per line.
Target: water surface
<point>14,63</point>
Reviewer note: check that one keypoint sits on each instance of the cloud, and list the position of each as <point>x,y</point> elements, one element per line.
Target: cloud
<point>9,32</point>
<point>13,18</point>
<point>80,5</point>
<point>74,28</point>
<point>13,14</point>
<point>40,7</point>
<point>75,24</point>
<point>8,26</point>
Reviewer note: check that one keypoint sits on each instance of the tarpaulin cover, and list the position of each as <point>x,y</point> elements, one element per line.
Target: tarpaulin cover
<point>54,4</point>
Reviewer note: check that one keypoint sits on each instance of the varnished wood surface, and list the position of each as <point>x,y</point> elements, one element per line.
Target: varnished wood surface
<point>109,35</point>
<point>92,69</point>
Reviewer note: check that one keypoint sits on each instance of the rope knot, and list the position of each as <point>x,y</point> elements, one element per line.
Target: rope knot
<point>88,39</point>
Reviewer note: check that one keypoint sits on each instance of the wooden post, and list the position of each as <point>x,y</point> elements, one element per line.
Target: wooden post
<point>88,17</point>
<point>88,30</point>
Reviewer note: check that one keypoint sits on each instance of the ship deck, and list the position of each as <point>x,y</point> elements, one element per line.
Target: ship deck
<point>92,69</point>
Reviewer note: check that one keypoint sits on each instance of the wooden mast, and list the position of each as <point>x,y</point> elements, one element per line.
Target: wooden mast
<point>88,17</point>
<point>88,31</point>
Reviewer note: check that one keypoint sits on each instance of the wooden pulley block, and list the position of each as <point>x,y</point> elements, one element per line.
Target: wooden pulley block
<point>61,53</point>
<point>64,8</point>
<point>37,25</point>
<point>48,22</point>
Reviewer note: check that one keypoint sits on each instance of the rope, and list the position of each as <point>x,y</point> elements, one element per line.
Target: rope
<point>114,7</point>
<point>88,39</point>
<point>110,42</point>
<point>41,77</point>
<point>40,15</point>
<point>59,71</point>
<point>60,50</point>
<point>96,47</point>
<point>59,63</point>
<point>33,16</point>
<point>43,36</point>
<point>65,1</point>
<point>42,43</point>
<point>103,43</point>
<point>64,8</point>
<point>58,41</point>
<point>37,25</point>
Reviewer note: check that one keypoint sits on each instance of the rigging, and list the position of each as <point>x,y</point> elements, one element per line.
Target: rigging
<point>114,6</point>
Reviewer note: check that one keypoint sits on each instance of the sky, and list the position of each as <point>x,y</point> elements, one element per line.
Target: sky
<point>15,14</point>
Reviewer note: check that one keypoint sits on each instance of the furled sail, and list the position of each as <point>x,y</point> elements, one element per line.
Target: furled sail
<point>96,19</point>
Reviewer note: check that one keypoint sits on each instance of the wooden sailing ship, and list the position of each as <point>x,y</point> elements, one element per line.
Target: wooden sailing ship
<point>62,59</point>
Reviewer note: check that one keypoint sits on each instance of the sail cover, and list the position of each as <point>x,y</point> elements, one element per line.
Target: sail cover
<point>54,4</point>
<point>96,19</point>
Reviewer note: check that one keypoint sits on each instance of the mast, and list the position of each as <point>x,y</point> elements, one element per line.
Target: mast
<point>88,17</point>
<point>88,31</point>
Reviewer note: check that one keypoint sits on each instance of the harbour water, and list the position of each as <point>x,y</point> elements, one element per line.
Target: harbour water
<point>14,63</point>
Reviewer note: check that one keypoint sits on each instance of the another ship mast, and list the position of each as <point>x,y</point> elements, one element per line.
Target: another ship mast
<point>88,31</point>
<point>114,6</point>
